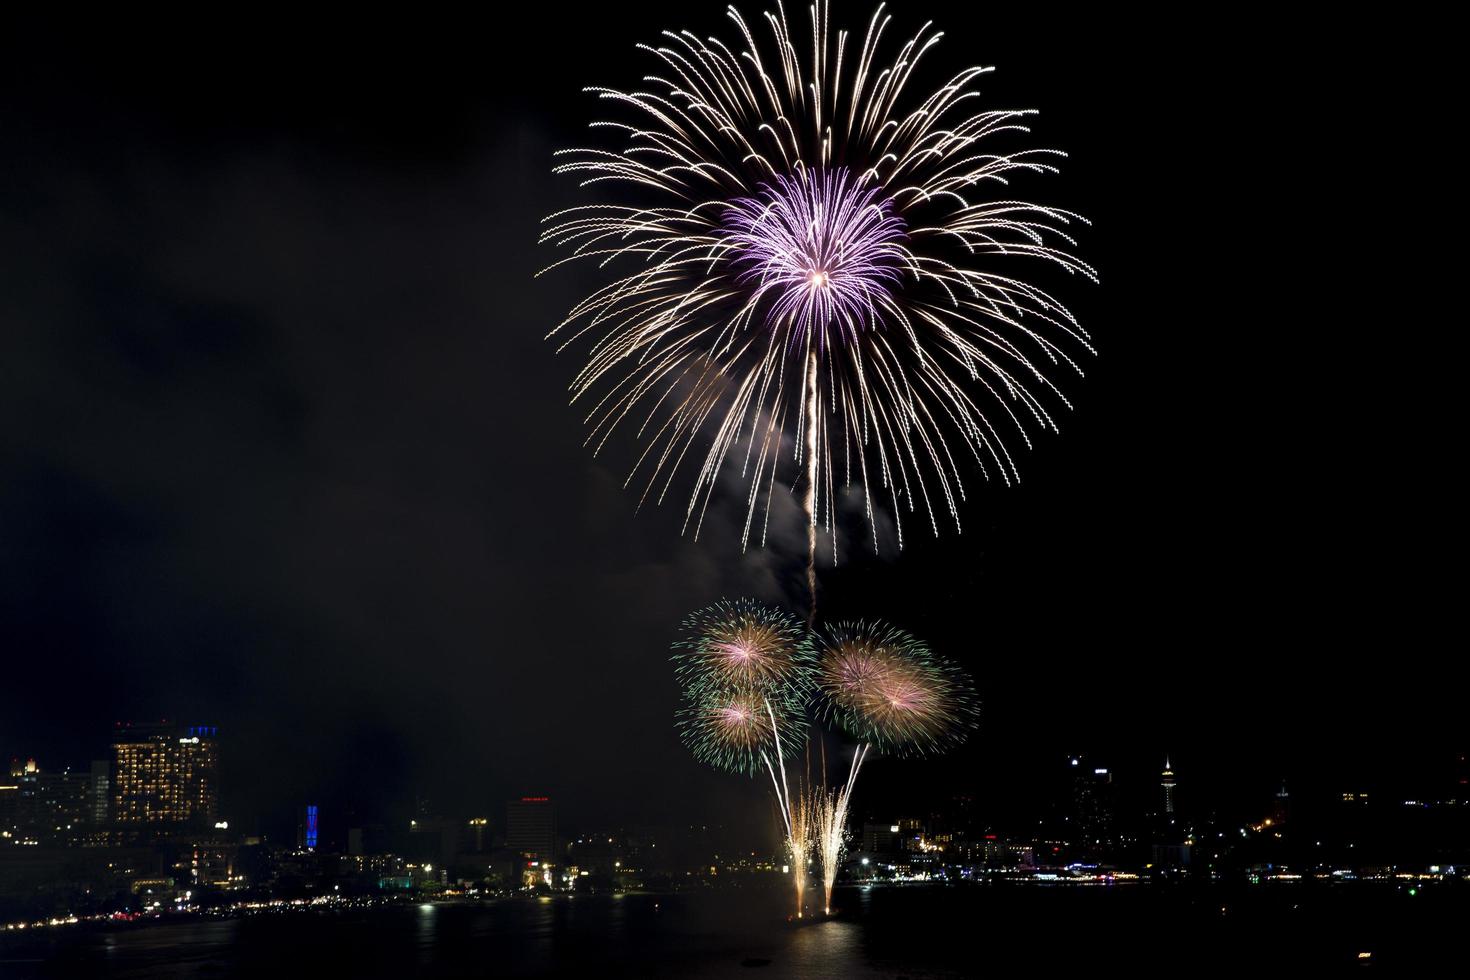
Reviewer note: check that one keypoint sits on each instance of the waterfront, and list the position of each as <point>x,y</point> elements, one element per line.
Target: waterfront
<point>911,932</point>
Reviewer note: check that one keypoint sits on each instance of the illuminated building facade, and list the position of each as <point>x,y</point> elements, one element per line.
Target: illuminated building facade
<point>10,808</point>
<point>306,830</point>
<point>1166,783</point>
<point>99,790</point>
<point>212,865</point>
<point>165,774</point>
<point>45,806</point>
<point>911,833</point>
<point>474,842</point>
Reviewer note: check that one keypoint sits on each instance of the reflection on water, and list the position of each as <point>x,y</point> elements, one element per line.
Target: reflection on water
<point>829,951</point>
<point>883,932</point>
<point>426,932</point>
<point>700,936</point>
<point>173,950</point>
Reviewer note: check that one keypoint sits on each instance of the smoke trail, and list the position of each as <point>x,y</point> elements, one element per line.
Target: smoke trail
<point>810,502</point>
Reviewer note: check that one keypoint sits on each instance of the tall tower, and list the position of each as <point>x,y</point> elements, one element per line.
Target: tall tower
<point>530,828</point>
<point>1166,783</point>
<point>306,830</point>
<point>1281,805</point>
<point>1092,807</point>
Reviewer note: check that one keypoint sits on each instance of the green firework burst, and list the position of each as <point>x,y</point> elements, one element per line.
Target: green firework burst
<point>736,728</point>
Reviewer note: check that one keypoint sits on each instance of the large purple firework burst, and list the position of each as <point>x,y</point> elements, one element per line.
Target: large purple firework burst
<point>826,250</point>
<point>826,280</point>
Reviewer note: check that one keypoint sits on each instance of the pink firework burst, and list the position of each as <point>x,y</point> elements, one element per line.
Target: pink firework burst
<point>888,689</point>
<point>744,645</point>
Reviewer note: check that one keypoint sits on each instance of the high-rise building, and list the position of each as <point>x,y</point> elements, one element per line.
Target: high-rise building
<point>530,827</point>
<point>306,829</point>
<point>910,833</point>
<point>475,839</point>
<point>1281,805</point>
<point>99,792</point>
<point>165,774</point>
<point>880,838</point>
<point>1166,783</point>
<point>1091,807</point>
<point>10,806</point>
<point>49,806</point>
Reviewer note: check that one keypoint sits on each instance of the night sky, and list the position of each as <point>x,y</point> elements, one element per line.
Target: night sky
<point>282,448</point>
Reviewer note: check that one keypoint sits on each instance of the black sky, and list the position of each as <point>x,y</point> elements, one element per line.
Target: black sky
<point>282,450</point>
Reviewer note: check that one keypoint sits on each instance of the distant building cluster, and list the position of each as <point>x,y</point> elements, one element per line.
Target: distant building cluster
<point>159,775</point>
<point>143,829</point>
<point>1084,830</point>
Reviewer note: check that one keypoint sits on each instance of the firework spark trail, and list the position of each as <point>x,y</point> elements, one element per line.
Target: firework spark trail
<point>795,815</point>
<point>888,690</point>
<point>800,837</point>
<point>830,810</point>
<point>830,833</point>
<point>782,793</point>
<point>746,673</point>
<point>742,731</point>
<point>808,250</point>
<point>749,672</point>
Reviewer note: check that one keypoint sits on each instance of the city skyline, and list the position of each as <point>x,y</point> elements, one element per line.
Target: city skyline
<point>140,835</point>
<point>1132,787</point>
<point>1027,411</point>
<point>262,463</point>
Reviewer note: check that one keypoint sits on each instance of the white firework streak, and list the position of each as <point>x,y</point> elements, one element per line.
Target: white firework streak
<point>830,808</point>
<point>822,271</point>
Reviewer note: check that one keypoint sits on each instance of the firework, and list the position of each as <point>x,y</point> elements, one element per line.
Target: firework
<point>823,278</point>
<point>741,730</point>
<point>747,673</point>
<point>887,689</point>
<point>748,729</point>
<point>829,833</point>
<point>801,834</point>
<point>745,646</point>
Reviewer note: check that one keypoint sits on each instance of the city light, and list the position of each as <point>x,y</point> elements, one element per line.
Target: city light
<point>1090,840</point>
